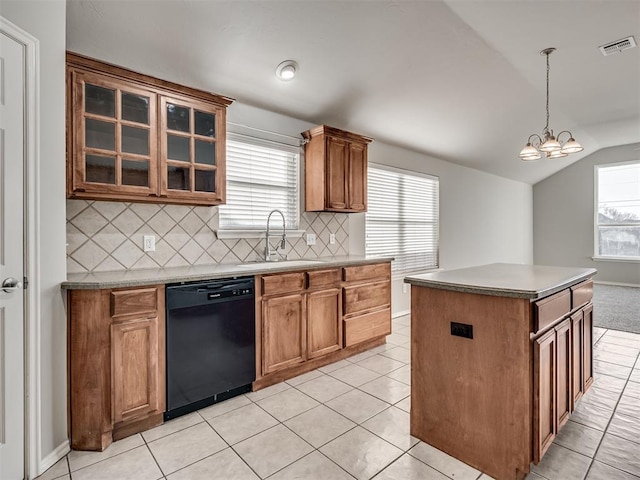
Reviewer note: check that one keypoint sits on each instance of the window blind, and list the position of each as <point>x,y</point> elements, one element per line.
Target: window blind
<point>261,176</point>
<point>402,218</point>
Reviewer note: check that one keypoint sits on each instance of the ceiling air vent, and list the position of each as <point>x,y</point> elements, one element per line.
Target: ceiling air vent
<point>618,46</point>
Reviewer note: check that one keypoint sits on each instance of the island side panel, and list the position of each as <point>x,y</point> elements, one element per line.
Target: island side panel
<point>472,398</point>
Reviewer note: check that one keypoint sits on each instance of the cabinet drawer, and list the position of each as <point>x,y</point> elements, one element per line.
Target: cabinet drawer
<point>581,294</point>
<point>323,278</point>
<point>364,297</point>
<point>136,301</point>
<point>550,309</point>
<point>366,272</point>
<point>282,283</point>
<point>366,327</point>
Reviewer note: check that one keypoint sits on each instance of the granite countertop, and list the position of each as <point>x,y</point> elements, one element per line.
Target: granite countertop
<point>154,276</point>
<point>505,279</point>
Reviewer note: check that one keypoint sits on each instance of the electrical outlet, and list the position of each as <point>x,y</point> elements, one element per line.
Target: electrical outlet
<point>149,243</point>
<point>332,238</point>
<point>311,238</point>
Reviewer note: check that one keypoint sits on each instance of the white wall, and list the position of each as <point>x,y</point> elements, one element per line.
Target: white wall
<point>563,217</point>
<point>45,20</point>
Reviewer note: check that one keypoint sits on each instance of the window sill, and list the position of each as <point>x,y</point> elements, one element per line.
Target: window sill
<point>616,259</point>
<point>232,234</point>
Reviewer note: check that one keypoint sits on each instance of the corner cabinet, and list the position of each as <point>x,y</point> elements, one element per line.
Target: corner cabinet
<point>335,170</point>
<point>132,137</point>
<point>116,363</point>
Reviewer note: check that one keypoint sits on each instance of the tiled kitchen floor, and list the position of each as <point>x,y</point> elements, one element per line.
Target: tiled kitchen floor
<point>350,419</point>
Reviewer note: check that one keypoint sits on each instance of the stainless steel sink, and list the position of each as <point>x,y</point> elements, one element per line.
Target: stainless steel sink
<point>280,264</point>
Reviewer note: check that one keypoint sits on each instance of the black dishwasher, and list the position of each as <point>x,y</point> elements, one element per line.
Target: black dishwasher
<point>210,343</point>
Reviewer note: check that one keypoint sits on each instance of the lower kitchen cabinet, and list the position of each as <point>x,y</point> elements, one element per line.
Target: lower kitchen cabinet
<point>544,380</point>
<point>283,332</point>
<point>324,314</point>
<point>116,363</point>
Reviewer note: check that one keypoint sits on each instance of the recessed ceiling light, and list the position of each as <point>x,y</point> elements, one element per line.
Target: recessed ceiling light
<point>286,70</point>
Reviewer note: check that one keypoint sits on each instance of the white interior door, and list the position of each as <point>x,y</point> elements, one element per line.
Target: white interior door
<point>12,318</point>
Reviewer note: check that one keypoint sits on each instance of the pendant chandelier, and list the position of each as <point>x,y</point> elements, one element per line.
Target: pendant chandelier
<point>549,144</point>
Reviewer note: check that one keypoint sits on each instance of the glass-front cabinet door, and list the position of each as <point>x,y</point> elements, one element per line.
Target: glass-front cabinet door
<point>192,136</point>
<point>115,131</point>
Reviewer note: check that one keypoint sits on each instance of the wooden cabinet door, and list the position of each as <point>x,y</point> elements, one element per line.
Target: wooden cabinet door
<point>192,151</point>
<point>337,159</point>
<point>563,372</point>
<point>324,332</point>
<point>544,375</point>
<point>357,178</point>
<point>577,357</point>
<point>587,346</point>
<point>284,336</point>
<point>136,369</point>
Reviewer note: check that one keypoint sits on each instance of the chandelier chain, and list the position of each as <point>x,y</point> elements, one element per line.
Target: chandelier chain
<point>546,128</point>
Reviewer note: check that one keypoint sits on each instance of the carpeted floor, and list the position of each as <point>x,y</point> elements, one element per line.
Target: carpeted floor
<point>616,307</point>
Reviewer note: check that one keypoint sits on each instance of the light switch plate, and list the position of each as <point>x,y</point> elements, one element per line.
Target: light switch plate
<point>311,238</point>
<point>149,243</point>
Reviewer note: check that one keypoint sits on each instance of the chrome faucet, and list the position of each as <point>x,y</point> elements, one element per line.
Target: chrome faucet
<point>282,244</point>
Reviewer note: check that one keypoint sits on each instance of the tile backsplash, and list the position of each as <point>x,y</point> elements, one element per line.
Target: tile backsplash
<point>107,236</point>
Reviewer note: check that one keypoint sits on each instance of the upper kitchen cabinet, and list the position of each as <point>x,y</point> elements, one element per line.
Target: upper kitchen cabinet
<point>132,137</point>
<point>335,170</point>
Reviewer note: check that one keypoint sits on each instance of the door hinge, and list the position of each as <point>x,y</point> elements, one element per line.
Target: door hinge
<point>25,282</point>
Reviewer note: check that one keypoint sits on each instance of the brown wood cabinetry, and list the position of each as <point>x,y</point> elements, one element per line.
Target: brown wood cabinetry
<point>116,363</point>
<point>498,399</point>
<point>132,137</point>
<point>309,319</point>
<point>335,170</point>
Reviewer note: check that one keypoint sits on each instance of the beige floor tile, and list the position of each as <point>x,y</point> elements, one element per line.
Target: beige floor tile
<point>400,354</point>
<point>287,404</point>
<point>305,377</point>
<point>611,369</point>
<point>357,406</point>
<point>335,366</point>
<point>324,388</point>
<point>403,374</point>
<point>620,453</point>
<point>442,462</point>
<point>406,331</point>
<point>625,427</point>
<point>392,425</point>
<point>58,469</point>
<point>600,471</point>
<point>136,464</point>
<point>592,416</point>
<point>363,356</point>
<point>618,349</point>
<point>635,375</point>
<point>404,320</point>
<point>410,468</point>
<point>224,407</point>
<point>629,405</point>
<point>242,423</point>
<point>172,426</point>
<point>621,334</point>
<point>531,476</point>
<point>185,447</point>
<point>601,397</point>
<point>354,375</point>
<point>399,340</point>
<point>272,450</point>
<point>380,364</point>
<point>608,382</point>
<point>615,358</point>
<point>560,463</point>
<point>268,391</point>
<point>319,425</point>
<point>404,404</point>
<point>632,389</point>
<point>78,459</point>
<point>315,465</point>
<point>579,438</point>
<point>617,340</point>
<point>361,453</point>
<point>224,465</point>
<point>387,389</point>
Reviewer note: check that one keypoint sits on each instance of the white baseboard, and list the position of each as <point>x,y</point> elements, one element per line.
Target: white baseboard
<point>617,284</point>
<point>50,460</point>
<point>401,313</point>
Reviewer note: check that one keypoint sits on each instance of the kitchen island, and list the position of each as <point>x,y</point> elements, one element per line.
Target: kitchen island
<point>500,356</point>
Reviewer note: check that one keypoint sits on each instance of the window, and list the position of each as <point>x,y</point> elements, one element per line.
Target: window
<point>402,218</point>
<point>617,222</point>
<point>261,176</point>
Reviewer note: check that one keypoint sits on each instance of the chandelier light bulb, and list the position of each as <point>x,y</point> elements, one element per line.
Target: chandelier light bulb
<point>550,145</point>
<point>556,154</point>
<point>572,146</point>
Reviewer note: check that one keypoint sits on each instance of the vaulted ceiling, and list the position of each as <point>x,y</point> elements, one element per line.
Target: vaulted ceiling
<point>459,80</point>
